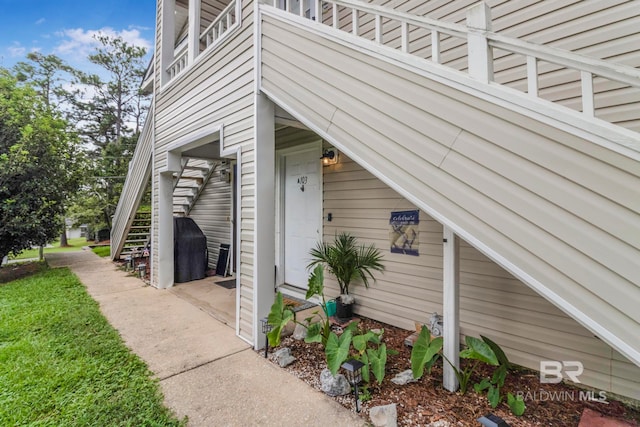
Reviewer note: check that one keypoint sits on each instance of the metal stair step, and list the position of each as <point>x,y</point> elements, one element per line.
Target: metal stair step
<point>197,168</point>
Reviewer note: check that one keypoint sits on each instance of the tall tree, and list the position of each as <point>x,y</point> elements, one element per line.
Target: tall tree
<point>47,75</point>
<point>38,167</point>
<point>107,108</point>
<point>108,112</point>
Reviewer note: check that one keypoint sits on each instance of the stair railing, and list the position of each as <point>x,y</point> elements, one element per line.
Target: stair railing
<point>400,31</point>
<point>133,189</point>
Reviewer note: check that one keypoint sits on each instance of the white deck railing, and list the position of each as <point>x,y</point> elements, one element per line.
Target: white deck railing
<point>227,20</point>
<point>186,52</point>
<point>402,30</point>
<point>179,64</point>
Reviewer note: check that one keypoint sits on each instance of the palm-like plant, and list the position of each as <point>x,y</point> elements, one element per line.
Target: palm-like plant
<point>347,261</point>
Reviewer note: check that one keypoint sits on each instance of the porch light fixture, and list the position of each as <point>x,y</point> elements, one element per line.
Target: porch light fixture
<point>353,373</point>
<point>266,328</point>
<point>491,420</point>
<point>329,157</point>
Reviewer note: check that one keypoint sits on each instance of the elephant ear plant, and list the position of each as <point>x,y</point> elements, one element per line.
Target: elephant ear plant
<point>347,261</point>
<point>281,314</point>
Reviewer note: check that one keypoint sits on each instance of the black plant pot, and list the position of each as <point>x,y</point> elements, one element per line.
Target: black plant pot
<point>343,311</point>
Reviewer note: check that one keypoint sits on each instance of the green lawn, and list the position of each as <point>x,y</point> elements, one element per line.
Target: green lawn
<point>102,251</point>
<point>61,363</point>
<point>74,245</point>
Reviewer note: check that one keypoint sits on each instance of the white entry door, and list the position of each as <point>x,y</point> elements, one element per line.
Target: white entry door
<point>302,213</point>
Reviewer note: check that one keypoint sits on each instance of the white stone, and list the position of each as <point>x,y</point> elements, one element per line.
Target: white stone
<point>334,385</point>
<point>404,377</point>
<point>283,357</point>
<point>300,332</point>
<point>384,416</point>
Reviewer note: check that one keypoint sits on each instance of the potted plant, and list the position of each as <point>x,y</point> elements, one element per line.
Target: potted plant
<point>347,261</point>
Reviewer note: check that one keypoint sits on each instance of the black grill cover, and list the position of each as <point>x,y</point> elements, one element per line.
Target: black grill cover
<point>190,254</point>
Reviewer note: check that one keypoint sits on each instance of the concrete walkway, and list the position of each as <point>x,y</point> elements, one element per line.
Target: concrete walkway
<point>206,372</point>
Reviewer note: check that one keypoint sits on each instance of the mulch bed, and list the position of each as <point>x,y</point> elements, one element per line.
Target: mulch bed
<point>11,272</point>
<point>426,401</point>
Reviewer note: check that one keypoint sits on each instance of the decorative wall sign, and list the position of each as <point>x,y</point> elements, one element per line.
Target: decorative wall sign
<point>403,235</point>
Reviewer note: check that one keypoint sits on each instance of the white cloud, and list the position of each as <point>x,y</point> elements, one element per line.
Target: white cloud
<point>79,42</point>
<point>139,27</point>
<point>16,50</point>
<point>40,21</point>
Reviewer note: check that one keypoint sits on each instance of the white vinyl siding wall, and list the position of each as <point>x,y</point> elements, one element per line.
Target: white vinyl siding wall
<point>212,212</point>
<point>217,90</point>
<point>492,302</point>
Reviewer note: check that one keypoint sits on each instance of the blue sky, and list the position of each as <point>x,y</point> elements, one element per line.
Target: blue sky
<point>65,27</point>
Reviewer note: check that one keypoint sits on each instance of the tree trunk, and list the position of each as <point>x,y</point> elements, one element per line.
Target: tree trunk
<point>41,253</point>
<point>63,239</point>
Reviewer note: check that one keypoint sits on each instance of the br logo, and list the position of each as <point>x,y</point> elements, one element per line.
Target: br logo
<point>551,371</point>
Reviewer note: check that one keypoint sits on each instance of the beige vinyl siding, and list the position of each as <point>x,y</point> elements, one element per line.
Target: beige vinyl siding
<point>555,207</point>
<point>217,90</point>
<point>288,137</point>
<point>492,302</point>
<point>607,30</point>
<point>411,287</point>
<point>212,213</point>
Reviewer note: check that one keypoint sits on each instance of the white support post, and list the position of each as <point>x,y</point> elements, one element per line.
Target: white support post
<point>479,51</point>
<point>334,12</point>
<point>167,41</point>
<point>404,30</point>
<point>354,22</point>
<point>532,76</point>
<point>165,230</point>
<point>435,46</point>
<point>194,31</point>
<point>588,106</point>
<point>378,21</point>
<point>264,235</point>
<point>451,307</point>
<point>317,8</point>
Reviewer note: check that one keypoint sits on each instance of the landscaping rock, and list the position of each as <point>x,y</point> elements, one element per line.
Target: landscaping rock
<point>384,416</point>
<point>441,423</point>
<point>404,377</point>
<point>283,357</point>
<point>334,386</point>
<point>300,332</point>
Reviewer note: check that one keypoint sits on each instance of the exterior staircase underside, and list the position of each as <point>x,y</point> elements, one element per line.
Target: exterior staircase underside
<point>190,182</point>
<point>550,202</point>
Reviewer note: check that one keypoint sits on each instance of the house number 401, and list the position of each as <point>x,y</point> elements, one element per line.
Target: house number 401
<point>301,182</point>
